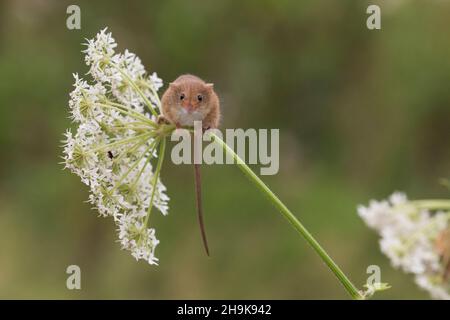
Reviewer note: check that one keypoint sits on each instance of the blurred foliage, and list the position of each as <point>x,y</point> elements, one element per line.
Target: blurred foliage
<point>361,113</point>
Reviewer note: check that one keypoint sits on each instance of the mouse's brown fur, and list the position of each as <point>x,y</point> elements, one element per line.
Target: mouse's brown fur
<point>190,99</point>
<point>186,100</point>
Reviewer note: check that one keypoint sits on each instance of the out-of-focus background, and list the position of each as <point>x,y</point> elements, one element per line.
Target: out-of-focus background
<point>361,114</point>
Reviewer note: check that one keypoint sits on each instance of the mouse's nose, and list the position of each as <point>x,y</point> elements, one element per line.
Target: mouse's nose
<point>188,106</point>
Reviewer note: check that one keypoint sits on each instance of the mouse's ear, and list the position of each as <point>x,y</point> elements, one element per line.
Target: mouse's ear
<point>173,85</point>
<point>209,85</point>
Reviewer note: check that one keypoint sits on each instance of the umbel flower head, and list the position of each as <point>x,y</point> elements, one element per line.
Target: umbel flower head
<point>414,235</point>
<point>115,141</point>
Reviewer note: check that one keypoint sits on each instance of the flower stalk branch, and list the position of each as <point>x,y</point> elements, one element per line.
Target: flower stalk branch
<point>298,226</point>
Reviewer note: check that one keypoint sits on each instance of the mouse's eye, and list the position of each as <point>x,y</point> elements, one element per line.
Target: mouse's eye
<point>199,97</point>
<point>182,96</point>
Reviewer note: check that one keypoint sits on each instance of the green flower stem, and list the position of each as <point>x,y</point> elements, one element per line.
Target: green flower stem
<point>149,158</point>
<point>432,204</point>
<point>119,105</point>
<point>348,285</point>
<point>131,149</point>
<point>136,163</point>
<point>139,91</point>
<point>162,150</point>
<point>136,126</point>
<point>123,141</point>
<point>126,111</point>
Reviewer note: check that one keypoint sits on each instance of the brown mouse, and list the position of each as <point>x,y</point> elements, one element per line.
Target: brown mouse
<point>186,100</point>
<point>189,99</point>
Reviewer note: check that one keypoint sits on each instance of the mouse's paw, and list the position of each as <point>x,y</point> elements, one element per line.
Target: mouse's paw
<point>162,120</point>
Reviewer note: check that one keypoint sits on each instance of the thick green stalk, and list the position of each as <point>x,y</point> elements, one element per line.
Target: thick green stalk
<point>348,285</point>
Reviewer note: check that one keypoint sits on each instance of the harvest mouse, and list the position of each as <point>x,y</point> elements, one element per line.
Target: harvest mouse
<point>190,99</point>
<point>186,100</point>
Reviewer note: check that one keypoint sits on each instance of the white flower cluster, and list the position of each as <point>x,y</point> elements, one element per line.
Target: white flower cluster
<point>115,141</point>
<point>408,237</point>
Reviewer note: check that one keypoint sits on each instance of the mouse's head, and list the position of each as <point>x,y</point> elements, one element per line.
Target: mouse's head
<point>192,95</point>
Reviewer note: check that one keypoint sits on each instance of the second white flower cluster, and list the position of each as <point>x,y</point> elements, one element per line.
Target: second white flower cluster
<point>410,234</point>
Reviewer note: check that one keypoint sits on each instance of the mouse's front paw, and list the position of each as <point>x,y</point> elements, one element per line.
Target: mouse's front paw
<point>162,120</point>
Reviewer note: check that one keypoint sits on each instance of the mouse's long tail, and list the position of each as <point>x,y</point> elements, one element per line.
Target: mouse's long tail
<point>198,191</point>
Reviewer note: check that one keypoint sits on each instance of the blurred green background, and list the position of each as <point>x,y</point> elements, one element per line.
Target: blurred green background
<point>361,114</point>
